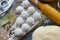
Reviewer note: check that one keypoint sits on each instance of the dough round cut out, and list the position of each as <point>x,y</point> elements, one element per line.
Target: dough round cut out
<point>47,33</point>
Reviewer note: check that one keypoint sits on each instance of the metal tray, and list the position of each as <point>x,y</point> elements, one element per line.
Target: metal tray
<point>29,35</point>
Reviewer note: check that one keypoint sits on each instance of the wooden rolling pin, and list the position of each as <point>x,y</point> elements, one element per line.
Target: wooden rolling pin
<point>49,11</point>
<point>48,0</point>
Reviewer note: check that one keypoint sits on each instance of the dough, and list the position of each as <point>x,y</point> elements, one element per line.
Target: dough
<point>25,27</point>
<point>47,33</point>
<point>25,4</point>
<point>18,32</point>
<point>30,21</point>
<point>37,16</point>
<point>24,14</point>
<point>19,9</point>
<point>19,21</point>
<point>31,10</point>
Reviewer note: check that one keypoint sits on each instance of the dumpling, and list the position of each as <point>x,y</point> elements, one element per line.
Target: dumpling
<point>30,21</point>
<point>19,9</point>
<point>25,4</point>
<point>25,27</point>
<point>24,14</point>
<point>19,21</point>
<point>36,16</point>
<point>31,10</point>
<point>18,32</point>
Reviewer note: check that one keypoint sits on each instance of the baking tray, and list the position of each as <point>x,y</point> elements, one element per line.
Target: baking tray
<point>39,22</point>
<point>29,35</point>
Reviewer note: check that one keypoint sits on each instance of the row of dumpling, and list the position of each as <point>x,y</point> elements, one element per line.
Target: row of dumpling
<point>26,10</point>
<point>24,17</point>
<point>22,25</point>
<point>27,18</point>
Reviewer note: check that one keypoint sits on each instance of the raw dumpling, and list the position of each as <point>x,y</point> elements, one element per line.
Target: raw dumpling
<point>31,10</point>
<point>25,27</point>
<point>24,14</point>
<point>25,4</point>
<point>36,16</point>
<point>18,32</point>
<point>47,33</point>
<point>19,21</point>
<point>30,21</point>
<point>19,9</point>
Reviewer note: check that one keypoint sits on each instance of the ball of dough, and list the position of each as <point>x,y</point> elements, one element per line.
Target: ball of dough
<point>25,27</point>
<point>25,4</point>
<point>31,10</point>
<point>36,16</point>
<point>19,9</point>
<point>18,32</point>
<point>24,14</point>
<point>19,21</point>
<point>47,33</point>
<point>30,21</point>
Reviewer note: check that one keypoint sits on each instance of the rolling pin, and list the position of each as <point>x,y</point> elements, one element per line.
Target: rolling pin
<point>48,0</point>
<point>49,11</point>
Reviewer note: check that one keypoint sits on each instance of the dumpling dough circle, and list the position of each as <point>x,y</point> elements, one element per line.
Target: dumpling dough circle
<point>47,33</point>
